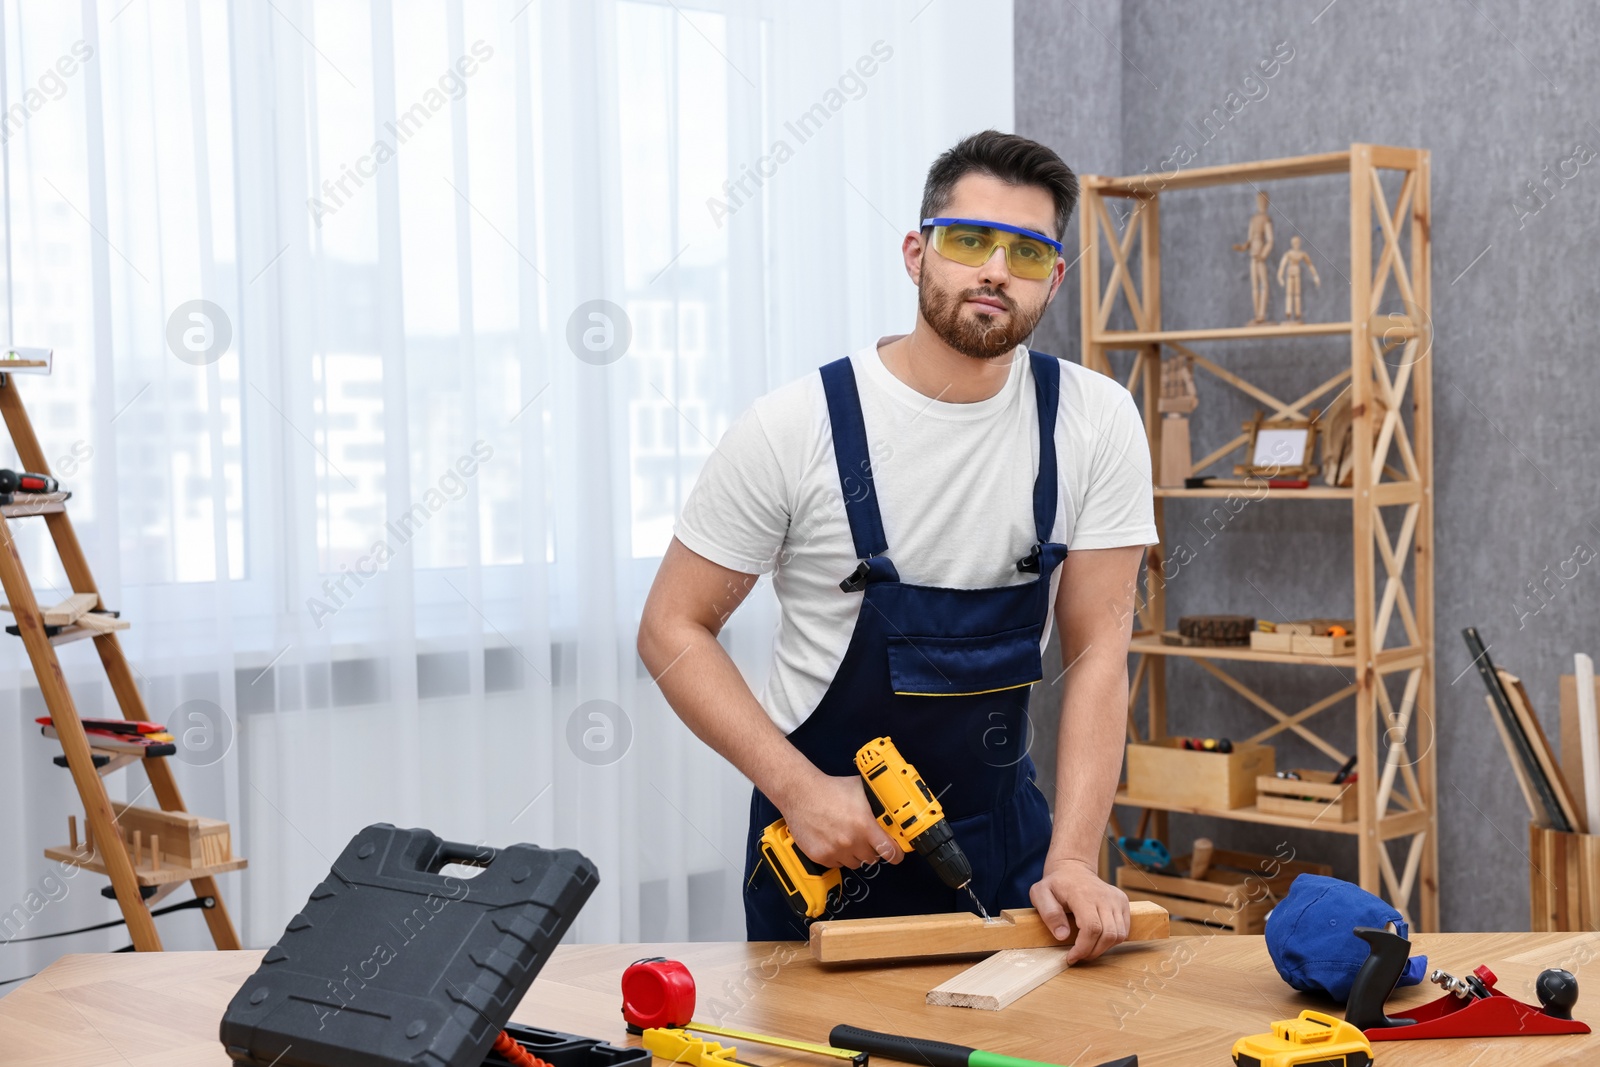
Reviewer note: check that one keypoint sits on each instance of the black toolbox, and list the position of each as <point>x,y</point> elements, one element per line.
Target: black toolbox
<point>391,962</point>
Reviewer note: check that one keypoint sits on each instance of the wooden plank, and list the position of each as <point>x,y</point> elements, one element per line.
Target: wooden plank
<point>66,612</point>
<point>956,934</point>
<point>1535,809</point>
<point>1125,339</point>
<point>1264,170</point>
<point>1000,980</point>
<point>1541,746</point>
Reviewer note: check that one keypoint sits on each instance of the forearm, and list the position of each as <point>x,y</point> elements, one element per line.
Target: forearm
<point>704,687</point>
<point>1088,755</point>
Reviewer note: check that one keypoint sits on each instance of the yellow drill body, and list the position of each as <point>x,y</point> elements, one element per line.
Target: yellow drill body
<point>906,809</point>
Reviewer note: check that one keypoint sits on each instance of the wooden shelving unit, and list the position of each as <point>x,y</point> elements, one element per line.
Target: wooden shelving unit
<point>1390,379</point>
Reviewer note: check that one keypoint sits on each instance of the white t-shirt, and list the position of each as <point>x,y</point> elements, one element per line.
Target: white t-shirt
<point>955,489</point>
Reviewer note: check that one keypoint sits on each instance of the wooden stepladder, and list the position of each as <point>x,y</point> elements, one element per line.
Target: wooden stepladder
<point>147,853</point>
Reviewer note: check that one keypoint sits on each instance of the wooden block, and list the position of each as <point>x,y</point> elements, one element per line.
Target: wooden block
<point>68,611</point>
<point>1273,642</point>
<point>101,623</point>
<point>186,840</point>
<point>957,934</point>
<point>1176,459</point>
<point>1200,858</point>
<point>1000,980</point>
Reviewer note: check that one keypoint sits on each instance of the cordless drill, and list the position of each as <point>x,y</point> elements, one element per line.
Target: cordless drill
<point>904,806</point>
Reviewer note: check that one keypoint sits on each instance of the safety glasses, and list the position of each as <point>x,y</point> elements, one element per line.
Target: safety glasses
<point>972,241</point>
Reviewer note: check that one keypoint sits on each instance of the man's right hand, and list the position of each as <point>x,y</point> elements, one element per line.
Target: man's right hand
<point>832,823</point>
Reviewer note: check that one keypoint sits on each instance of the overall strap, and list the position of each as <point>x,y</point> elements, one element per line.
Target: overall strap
<point>1047,391</point>
<point>850,453</point>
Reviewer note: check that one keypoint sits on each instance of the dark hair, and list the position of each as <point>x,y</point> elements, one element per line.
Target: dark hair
<point>1012,159</point>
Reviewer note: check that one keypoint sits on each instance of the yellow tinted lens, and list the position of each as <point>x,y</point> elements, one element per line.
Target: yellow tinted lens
<point>1028,258</point>
<point>968,245</point>
<point>973,245</point>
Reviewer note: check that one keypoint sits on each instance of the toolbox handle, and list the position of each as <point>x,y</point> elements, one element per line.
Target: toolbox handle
<point>459,852</point>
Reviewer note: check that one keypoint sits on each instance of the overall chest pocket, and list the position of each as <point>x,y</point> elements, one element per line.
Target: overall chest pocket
<point>964,666</point>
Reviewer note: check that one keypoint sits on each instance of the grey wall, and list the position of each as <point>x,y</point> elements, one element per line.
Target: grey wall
<point>1498,92</point>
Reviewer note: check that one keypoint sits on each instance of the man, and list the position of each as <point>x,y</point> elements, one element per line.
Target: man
<point>914,504</point>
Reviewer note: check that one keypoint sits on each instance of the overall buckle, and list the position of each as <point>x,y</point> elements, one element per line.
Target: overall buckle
<point>1030,562</point>
<point>857,580</point>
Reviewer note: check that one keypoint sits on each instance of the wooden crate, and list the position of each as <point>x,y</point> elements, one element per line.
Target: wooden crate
<point>1164,772</point>
<point>1306,637</point>
<point>1234,897</point>
<point>1313,796</point>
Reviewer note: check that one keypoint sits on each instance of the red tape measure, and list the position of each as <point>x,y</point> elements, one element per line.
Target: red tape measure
<point>657,992</point>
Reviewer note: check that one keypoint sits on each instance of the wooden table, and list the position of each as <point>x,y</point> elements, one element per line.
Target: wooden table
<point>1182,1001</point>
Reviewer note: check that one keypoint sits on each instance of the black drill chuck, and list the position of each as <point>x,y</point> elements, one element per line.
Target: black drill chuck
<point>937,845</point>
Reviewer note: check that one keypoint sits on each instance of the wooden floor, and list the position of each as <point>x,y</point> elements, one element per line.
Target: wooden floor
<point>1177,1002</point>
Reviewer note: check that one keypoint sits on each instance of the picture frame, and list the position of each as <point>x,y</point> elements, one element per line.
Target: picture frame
<point>1280,448</point>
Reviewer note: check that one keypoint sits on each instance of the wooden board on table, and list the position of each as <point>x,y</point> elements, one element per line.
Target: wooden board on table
<point>957,934</point>
<point>1000,980</point>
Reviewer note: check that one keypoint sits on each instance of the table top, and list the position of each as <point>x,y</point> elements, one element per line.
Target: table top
<point>1177,1002</point>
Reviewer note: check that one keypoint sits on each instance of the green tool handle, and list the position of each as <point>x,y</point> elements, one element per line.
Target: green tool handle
<point>935,1053</point>
<point>980,1058</point>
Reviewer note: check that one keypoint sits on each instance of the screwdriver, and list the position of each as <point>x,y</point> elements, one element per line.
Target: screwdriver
<point>24,482</point>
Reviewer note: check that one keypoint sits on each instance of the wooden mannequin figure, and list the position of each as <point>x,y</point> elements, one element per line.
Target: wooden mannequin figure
<point>1291,262</point>
<point>1259,245</point>
<point>1178,399</point>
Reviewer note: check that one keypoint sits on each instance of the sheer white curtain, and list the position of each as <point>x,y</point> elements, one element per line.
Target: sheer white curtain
<point>389,339</point>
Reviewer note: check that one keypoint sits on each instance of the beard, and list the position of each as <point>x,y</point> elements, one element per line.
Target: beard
<point>980,335</point>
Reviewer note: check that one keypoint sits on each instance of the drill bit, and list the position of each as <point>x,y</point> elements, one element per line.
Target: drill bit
<point>976,903</point>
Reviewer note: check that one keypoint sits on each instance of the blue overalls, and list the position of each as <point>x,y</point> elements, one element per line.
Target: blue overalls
<point>946,674</point>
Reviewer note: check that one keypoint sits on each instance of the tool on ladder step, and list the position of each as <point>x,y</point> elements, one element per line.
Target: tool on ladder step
<point>149,746</point>
<point>26,482</point>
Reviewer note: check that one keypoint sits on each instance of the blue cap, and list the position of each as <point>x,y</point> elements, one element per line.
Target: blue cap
<point>1310,935</point>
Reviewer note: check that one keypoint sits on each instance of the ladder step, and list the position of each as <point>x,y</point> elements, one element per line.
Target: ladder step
<point>90,624</point>
<point>21,505</point>
<point>106,762</point>
<point>144,873</point>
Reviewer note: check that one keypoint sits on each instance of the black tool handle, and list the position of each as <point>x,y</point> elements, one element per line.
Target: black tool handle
<point>1386,959</point>
<point>895,1047</point>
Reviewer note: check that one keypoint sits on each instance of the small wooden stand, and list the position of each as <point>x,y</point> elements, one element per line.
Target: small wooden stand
<point>1563,880</point>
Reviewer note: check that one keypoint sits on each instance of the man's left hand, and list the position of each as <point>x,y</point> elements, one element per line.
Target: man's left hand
<point>1100,911</point>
